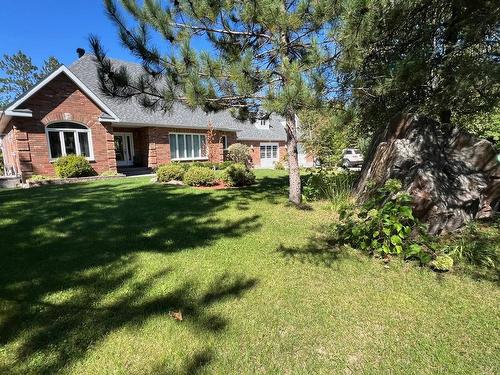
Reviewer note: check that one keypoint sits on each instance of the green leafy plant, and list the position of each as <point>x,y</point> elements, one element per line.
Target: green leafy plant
<point>279,166</point>
<point>109,174</point>
<point>224,164</point>
<point>383,225</point>
<point>475,246</point>
<point>169,172</point>
<point>238,175</point>
<point>199,176</point>
<point>239,153</point>
<point>73,166</point>
<point>38,177</point>
<point>334,184</point>
<point>442,263</point>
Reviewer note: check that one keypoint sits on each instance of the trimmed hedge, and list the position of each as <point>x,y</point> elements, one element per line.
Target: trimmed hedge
<point>206,164</point>
<point>73,166</point>
<point>169,172</point>
<point>238,175</point>
<point>199,176</point>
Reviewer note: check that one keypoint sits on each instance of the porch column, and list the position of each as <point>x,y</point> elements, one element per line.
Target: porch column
<point>152,157</point>
<point>110,148</point>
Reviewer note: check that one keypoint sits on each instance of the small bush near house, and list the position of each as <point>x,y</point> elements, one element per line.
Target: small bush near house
<point>239,153</point>
<point>1,164</point>
<point>73,166</point>
<point>186,166</point>
<point>199,176</point>
<point>238,175</point>
<point>382,226</point>
<point>224,165</point>
<point>109,173</point>
<point>169,172</point>
<point>279,166</point>
<point>38,177</point>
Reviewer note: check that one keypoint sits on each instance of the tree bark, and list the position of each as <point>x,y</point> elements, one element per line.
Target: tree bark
<point>295,193</point>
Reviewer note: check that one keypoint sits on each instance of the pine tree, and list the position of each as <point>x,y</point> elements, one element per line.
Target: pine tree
<point>268,56</point>
<point>435,57</point>
<point>20,74</point>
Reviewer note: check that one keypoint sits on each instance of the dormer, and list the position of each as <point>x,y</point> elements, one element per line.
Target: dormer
<point>262,123</point>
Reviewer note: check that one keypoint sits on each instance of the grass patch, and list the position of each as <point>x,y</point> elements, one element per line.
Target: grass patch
<point>89,273</point>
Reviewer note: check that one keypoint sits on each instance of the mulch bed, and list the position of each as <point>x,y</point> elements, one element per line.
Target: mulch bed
<point>219,185</point>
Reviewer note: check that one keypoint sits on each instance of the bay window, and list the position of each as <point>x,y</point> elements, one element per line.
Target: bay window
<point>184,146</point>
<point>67,138</point>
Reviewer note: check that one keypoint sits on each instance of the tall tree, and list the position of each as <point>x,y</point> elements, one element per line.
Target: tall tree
<point>48,67</point>
<point>269,56</point>
<point>20,74</point>
<point>437,57</point>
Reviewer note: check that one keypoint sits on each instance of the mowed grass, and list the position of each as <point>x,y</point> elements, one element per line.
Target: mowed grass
<point>90,272</point>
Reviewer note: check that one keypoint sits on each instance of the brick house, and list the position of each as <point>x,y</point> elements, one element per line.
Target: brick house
<point>66,113</point>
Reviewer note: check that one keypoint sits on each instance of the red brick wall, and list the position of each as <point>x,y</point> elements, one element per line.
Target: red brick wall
<point>9,151</point>
<point>159,145</point>
<point>60,100</point>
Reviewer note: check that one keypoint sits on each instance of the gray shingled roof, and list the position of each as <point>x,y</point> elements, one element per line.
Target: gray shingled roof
<point>132,112</point>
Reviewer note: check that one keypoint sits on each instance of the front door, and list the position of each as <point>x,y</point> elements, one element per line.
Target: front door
<point>124,149</point>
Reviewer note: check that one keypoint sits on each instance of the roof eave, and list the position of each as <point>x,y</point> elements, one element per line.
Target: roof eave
<point>4,120</point>
<point>187,127</point>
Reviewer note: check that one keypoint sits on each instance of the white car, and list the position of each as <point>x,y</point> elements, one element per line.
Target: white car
<point>352,157</point>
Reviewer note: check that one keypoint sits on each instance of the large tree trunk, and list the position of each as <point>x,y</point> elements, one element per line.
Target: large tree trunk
<point>452,176</point>
<point>295,193</point>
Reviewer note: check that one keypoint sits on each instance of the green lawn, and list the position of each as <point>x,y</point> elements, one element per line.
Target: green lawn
<point>89,273</point>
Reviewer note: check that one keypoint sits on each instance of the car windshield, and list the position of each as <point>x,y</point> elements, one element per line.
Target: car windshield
<point>356,151</point>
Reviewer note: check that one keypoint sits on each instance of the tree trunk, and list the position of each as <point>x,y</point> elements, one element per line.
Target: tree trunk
<point>452,176</point>
<point>295,193</point>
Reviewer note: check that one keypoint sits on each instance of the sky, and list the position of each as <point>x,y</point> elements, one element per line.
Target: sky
<point>43,28</point>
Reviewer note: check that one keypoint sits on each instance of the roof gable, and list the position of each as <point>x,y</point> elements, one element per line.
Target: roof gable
<point>14,110</point>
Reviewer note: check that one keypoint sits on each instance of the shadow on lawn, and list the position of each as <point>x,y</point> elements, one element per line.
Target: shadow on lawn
<point>81,240</point>
<point>318,250</point>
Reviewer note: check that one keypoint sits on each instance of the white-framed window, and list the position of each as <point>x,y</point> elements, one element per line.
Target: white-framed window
<point>65,138</point>
<point>223,140</point>
<point>262,123</point>
<point>187,146</point>
<point>268,151</point>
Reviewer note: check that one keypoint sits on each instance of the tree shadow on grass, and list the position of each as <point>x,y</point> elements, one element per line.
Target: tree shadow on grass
<point>68,253</point>
<point>318,250</point>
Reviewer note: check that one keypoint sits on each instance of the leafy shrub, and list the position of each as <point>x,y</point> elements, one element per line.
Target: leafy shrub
<point>169,172</point>
<point>279,166</point>
<point>38,177</point>
<point>73,166</point>
<point>442,263</point>
<point>382,226</point>
<point>224,165</point>
<point>199,176</point>
<point>109,173</point>
<point>334,184</point>
<point>238,175</point>
<point>239,153</point>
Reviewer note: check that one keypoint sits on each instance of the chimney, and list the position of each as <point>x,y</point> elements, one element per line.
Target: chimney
<point>80,52</point>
